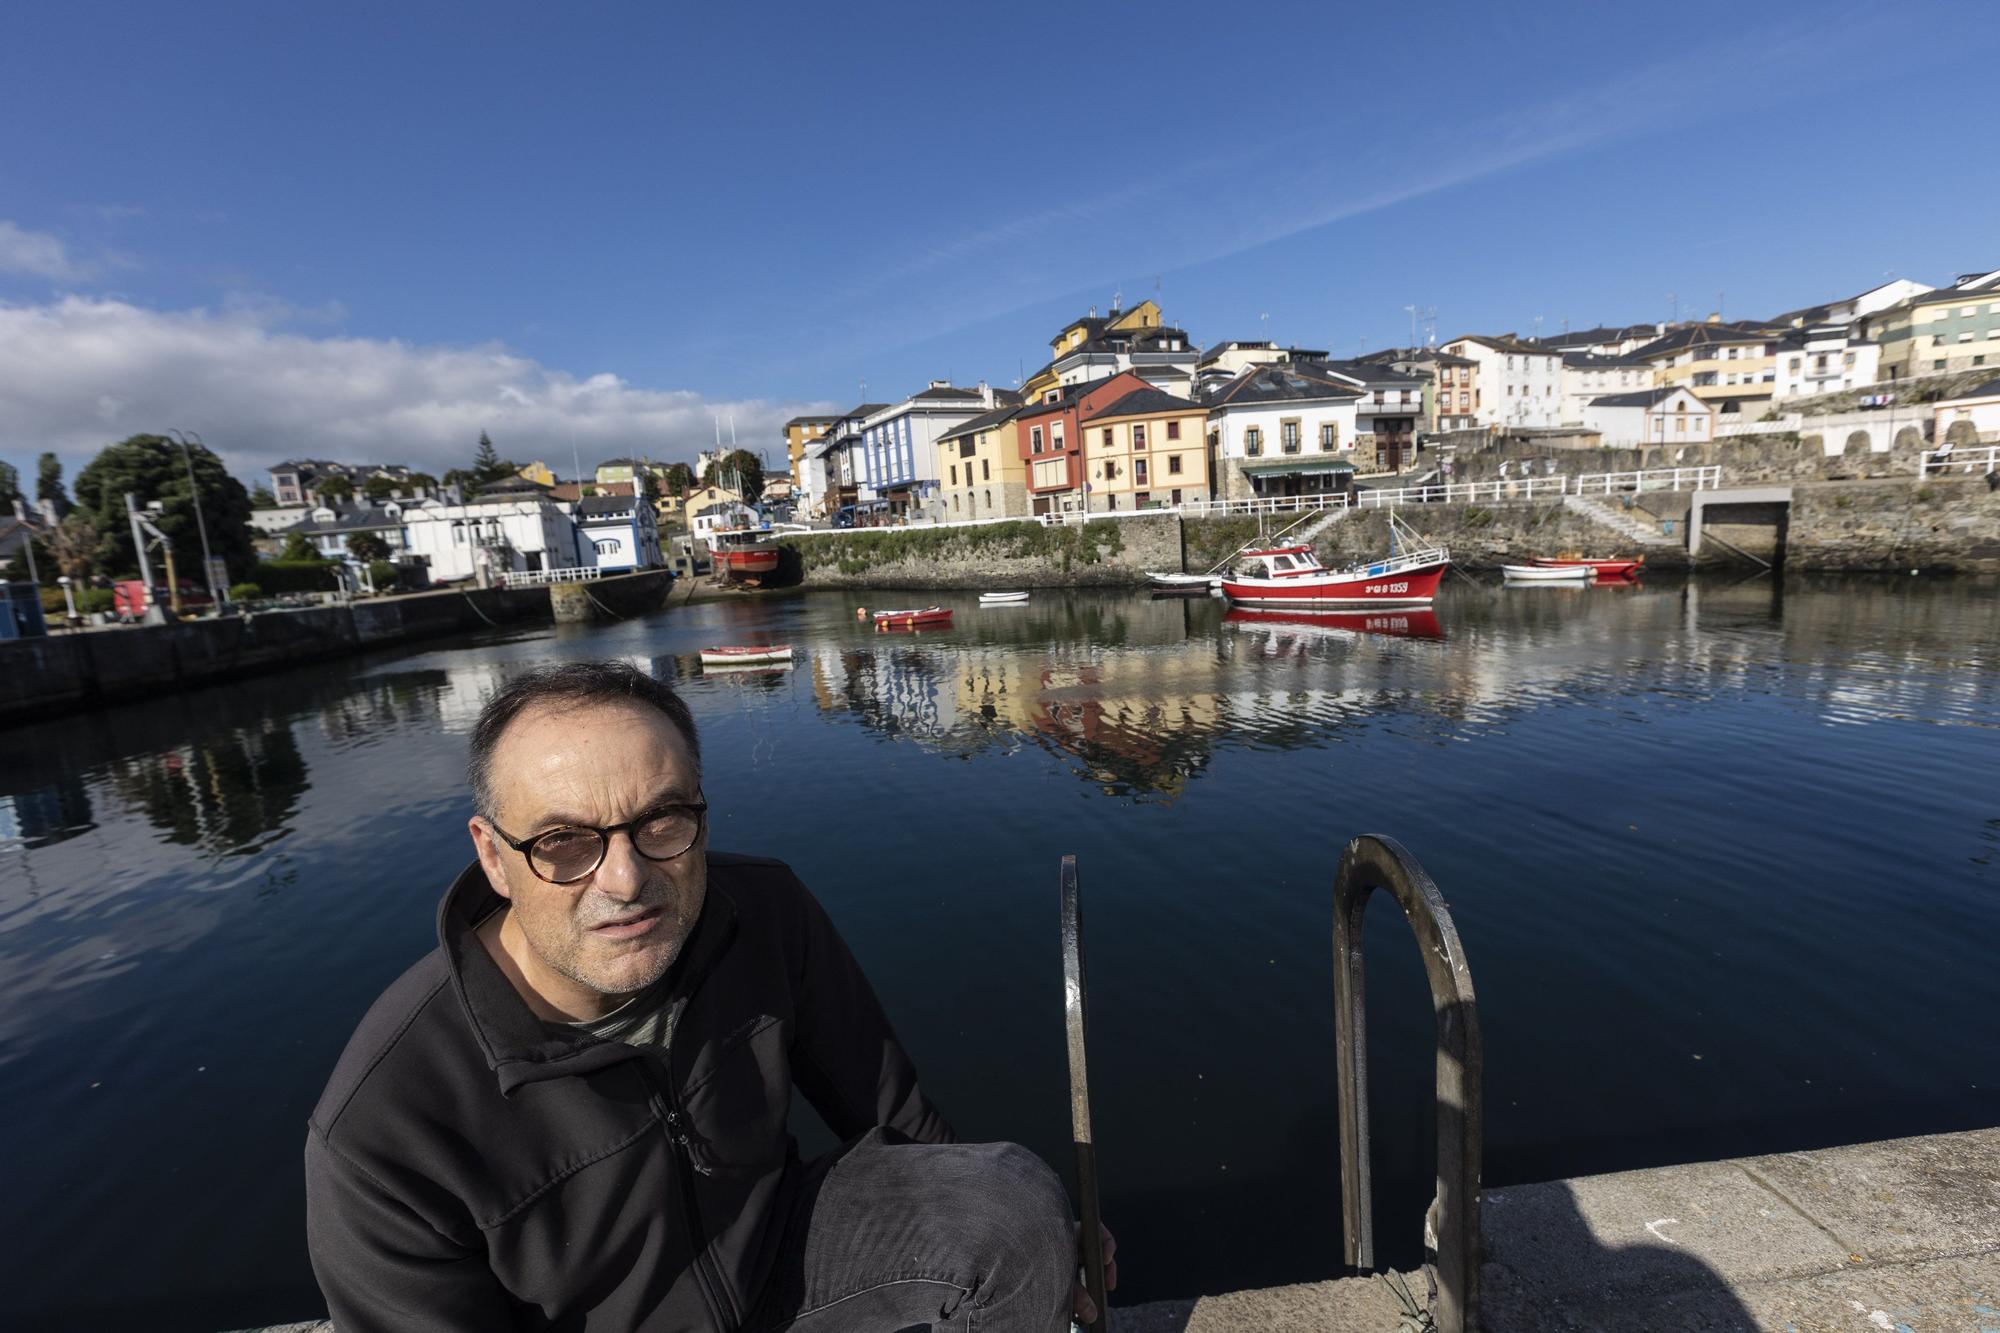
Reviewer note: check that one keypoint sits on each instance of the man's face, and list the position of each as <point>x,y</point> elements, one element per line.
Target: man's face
<point>618,929</point>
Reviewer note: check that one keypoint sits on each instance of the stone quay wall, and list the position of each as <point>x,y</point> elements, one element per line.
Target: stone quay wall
<point>1104,552</point>
<point>1940,525</point>
<point>63,673</point>
<point>1823,452</point>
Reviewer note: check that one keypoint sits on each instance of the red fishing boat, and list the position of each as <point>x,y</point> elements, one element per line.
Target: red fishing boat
<point>1293,575</point>
<point>743,553</point>
<point>1603,569</point>
<point>929,617</point>
<point>1413,623</point>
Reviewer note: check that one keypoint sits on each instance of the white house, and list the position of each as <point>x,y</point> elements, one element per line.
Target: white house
<point>1520,383</point>
<point>722,516</point>
<point>1587,376</point>
<point>618,532</point>
<point>491,536</point>
<point>898,449</point>
<point>1980,407</point>
<point>1672,415</point>
<point>1824,358</point>
<point>1281,430</point>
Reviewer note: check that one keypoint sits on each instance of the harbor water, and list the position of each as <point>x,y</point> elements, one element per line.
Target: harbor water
<point>1725,858</point>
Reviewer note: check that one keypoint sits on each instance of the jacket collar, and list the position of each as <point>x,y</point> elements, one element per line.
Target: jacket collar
<point>519,1047</point>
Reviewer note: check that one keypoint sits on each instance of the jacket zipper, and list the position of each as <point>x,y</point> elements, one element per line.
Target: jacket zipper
<point>714,1290</point>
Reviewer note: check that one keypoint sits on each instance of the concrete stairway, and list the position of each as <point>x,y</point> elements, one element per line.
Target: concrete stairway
<point>1610,516</point>
<point>1305,536</point>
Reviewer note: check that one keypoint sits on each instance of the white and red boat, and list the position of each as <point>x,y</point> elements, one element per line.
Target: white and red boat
<point>1293,575</point>
<point>1603,569</point>
<point>743,553</point>
<point>928,617</point>
<point>1412,623</point>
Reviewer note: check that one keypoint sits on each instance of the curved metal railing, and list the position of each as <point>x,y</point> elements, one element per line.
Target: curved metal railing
<point>1451,1225</point>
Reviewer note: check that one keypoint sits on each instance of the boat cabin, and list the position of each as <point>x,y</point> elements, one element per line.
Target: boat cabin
<point>1280,563</point>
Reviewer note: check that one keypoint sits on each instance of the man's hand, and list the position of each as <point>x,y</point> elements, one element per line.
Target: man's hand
<point>1086,1309</point>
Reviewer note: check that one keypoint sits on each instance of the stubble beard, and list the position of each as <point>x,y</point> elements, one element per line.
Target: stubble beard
<point>679,910</point>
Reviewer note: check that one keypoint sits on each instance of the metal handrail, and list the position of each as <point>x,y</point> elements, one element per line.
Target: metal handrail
<point>1451,1224</point>
<point>1076,1015</point>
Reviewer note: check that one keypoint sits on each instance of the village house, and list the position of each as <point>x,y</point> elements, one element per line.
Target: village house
<point>1520,382</point>
<point>1145,449</point>
<point>618,532</point>
<point>492,534</point>
<point>980,462</point>
<point>1281,430</point>
<point>1729,365</point>
<point>1136,340</point>
<point>801,432</point>
<point>1668,415</point>
<point>1937,332</point>
<point>841,500</point>
<point>1969,418</point>
<point>1049,436</point>
<point>1588,376</point>
<point>897,454</point>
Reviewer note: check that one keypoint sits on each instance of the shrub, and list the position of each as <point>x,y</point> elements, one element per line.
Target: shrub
<point>244,592</point>
<point>281,576</point>
<point>383,575</point>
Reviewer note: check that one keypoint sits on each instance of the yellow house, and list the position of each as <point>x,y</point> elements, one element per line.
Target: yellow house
<point>1144,450</point>
<point>800,432</point>
<point>538,472</point>
<point>1145,315</point>
<point>979,467</point>
<point>1733,367</point>
<point>702,497</point>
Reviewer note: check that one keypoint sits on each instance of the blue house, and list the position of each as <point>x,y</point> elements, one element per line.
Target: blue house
<point>621,529</point>
<point>897,465</point>
<point>21,611</point>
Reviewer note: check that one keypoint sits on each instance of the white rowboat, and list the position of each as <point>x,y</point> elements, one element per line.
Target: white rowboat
<point>746,655</point>
<point>1546,573</point>
<point>1001,598</point>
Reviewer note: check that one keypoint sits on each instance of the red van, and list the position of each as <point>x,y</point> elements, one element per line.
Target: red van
<point>128,598</point>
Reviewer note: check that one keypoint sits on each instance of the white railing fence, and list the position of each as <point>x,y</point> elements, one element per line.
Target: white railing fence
<point>531,578</point>
<point>1976,460</point>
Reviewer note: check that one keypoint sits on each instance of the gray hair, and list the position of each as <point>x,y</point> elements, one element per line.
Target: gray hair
<point>566,684</point>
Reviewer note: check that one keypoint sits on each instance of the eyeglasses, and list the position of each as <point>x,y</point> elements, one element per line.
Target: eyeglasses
<point>568,853</point>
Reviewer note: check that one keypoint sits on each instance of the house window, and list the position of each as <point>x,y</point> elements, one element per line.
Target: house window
<point>985,470</point>
<point>1106,439</point>
<point>1138,472</point>
<point>1055,435</point>
<point>1288,434</point>
<point>1173,430</point>
<point>1142,499</point>
<point>1173,465</point>
<point>1139,432</point>
<point>1035,440</point>
<point>954,474</point>
<point>954,503</point>
<point>1253,441</point>
<point>1177,497</point>
<point>1329,436</point>
<point>989,500</point>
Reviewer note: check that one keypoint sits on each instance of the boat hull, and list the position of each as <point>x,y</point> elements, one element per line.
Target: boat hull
<point>1182,582</point>
<point>746,561</point>
<point>1546,573</point>
<point>1604,569</point>
<point>745,655</point>
<point>1409,587</point>
<point>931,617</point>
<point>1002,598</point>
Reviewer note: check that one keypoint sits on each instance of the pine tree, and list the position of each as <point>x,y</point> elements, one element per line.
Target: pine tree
<point>49,483</point>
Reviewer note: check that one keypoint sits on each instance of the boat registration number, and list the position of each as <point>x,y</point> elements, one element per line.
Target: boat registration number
<point>1385,589</point>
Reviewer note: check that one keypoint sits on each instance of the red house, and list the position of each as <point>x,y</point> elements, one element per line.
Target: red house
<point>1050,437</point>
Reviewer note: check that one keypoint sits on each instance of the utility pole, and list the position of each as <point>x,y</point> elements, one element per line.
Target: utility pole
<point>201,525</point>
<point>34,575</point>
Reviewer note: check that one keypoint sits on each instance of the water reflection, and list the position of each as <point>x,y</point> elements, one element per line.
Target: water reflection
<point>222,794</point>
<point>43,816</point>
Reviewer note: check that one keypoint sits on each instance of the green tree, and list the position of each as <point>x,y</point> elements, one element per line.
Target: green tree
<point>10,488</point>
<point>261,497</point>
<point>680,480</point>
<point>461,478</point>
<point>49,483</point>
<point>739,470</point>
<point>297,549</point>
<point>150,468</point>
<point>643,486</point>
<point>424,480</point>
<point>335,490</point>
<point>367,546</point>
<point>378,487</point>
<point>75,544</point>
<point>486,461</point>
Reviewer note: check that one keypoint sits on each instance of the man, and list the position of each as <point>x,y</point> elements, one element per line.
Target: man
<point>572,1114</point>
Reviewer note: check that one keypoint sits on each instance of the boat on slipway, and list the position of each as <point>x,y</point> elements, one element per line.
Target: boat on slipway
<point>1294,576</point>
<point>750,554</point>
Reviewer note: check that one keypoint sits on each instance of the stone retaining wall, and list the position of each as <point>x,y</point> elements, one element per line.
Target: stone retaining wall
<point>1105,552</point>
<point>1943,525</point>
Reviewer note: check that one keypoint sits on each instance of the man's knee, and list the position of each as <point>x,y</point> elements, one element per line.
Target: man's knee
<point>1027,1227</point>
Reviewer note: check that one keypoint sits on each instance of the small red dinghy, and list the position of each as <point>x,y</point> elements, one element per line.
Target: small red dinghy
<point>929,617</point>
<point>1603,569</point>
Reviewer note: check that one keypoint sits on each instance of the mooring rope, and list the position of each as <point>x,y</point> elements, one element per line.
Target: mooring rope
<point>475,608</point>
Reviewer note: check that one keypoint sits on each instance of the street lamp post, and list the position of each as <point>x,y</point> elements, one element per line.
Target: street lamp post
<point>68,598</point>
<point>201,524</point>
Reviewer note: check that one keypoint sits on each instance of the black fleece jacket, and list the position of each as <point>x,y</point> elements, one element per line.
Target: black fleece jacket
<point>473,1167</point>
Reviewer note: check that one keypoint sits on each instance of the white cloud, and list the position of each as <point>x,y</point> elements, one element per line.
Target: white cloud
<point>36,253</point>
<point>78,373</point>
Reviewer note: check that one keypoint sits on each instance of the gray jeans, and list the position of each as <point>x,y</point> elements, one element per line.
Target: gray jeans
<point>899,1237</point>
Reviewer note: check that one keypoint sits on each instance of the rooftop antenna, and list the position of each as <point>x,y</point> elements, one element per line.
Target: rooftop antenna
<point>1413,325</point>
<point>1538,328</point>
<point>1266,318</point>
<point>1674,308</point>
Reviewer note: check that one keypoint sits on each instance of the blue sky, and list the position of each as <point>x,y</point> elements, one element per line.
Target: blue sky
<point>372,230</point>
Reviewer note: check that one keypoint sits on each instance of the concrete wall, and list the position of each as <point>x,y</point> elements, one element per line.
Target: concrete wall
<point>63,673</point>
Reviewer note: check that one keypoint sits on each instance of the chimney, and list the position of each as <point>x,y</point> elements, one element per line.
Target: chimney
<point>986,394</point>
